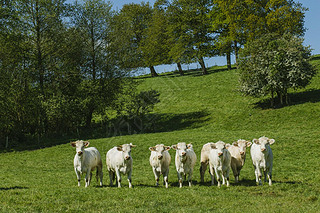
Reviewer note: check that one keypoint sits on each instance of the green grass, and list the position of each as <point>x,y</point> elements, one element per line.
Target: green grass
<point>195,109</point>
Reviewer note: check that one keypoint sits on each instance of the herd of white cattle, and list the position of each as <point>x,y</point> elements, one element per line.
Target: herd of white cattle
<point>219,156</point>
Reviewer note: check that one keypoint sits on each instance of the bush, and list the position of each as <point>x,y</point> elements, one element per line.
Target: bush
<point>273,64</point>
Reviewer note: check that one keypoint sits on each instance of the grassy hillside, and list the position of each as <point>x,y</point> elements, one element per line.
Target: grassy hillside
<point>197,109</point>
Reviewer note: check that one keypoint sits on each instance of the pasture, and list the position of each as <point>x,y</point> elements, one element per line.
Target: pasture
<point>196,109</point>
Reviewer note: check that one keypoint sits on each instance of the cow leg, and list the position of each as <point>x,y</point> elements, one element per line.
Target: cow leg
<point>78,176</point>
<point>165,179</point>
<point>99,174</point>
<point>227,177</point>
<point>156,175</point>
<point>118,177</point>
<point>87,177</point>
<point>218,174</point>
<point>180,179</point>
<point>257,172</point>
<point>265,175</point>
<point>235,173</point>
<point>129,178</point>
<point>270,176</point>
<point>212,175</point>
<point>111,177</point>
<point>203,169</point>
<point>190,177</point>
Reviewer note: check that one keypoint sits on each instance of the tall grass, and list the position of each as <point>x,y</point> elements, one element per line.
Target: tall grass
<point>195,109</point>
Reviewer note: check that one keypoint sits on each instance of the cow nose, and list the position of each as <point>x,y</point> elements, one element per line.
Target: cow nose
<point>263,149</point>
<point>80,153</point>
<point>241,153</point>
<point>220,154</point>
<point>183,153</point>
<point>127,157</point>
<point>160,156</point>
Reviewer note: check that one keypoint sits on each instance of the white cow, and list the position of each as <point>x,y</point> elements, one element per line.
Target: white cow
<point>262,158</point>
<point>160,160</point>
<point>86,161</point>
<point>118,161</point>
<point>185,160</point>
<point>219,162</point>
<point>238,156</point>
<point>204,161</point>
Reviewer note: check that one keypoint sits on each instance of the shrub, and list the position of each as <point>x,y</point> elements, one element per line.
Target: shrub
<point>273,64</point>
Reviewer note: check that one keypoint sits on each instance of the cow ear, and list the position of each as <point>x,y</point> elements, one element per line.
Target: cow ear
<point>249,143</point>
<point>119,148</point>
<point>86,143</point>
<point>167,148</point>
<point>152,148</point>
<point>131,145</point>
<point>189,146</point>
<point>213,146</point>
<point>174,147</point>
<point>271,141</point>
<point>256,141</point>
<point>73,144</point>
<point>235,143</point>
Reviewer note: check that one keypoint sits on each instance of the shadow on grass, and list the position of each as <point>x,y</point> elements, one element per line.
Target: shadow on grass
<point>152,123</point>
<point>12,188</point>
<point>315,58</point>
<point>155,123</point>
<point>309,96</point>
<point>190,72</point>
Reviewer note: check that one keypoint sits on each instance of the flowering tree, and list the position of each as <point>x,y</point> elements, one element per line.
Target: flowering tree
<point>273,64</point>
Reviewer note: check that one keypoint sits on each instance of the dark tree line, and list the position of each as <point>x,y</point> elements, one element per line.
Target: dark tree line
<point>64,66</point>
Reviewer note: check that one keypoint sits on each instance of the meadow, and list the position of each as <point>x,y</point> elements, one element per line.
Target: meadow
<point>195,109</point>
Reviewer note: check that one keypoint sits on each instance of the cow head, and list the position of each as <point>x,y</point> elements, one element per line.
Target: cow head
<point>242,144</point>
<point>159,149</point>
<point>181,149</point>
<point>220,146</point>
<point>263,142</point>
<point>126,149</point>
<point>80,145</point>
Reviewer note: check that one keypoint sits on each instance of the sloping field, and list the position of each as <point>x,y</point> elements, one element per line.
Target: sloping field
<point>197,109</point>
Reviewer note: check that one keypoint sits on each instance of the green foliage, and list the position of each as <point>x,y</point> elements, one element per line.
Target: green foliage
<point>128,30</point>
<point>189,30</point>
<point>273,64</point>
<point>237,22</point>
<point>133,108</point>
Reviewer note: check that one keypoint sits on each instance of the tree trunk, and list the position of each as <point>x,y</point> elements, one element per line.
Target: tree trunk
<point>180,68</point>
<point>153,71</point>
<point>229,60</point>
<point>203,66</point>
<point>236,52</point>
<point>89,117</point>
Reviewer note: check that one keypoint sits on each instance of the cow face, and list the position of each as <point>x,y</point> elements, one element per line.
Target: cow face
<point>263,142</point>
<point>242,144</point>
<point>159,149</point>
<point>181,149</point>
<point>126,149</point>
<point>220,146</point>
<point>80,145</point>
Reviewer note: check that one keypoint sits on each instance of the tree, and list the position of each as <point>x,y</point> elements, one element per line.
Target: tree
<point>154,45</point>
<point>101,76</point>
<point>273,64</point>
<point>238,21</point>
<point>190,36</point>
<point>128,31</point>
